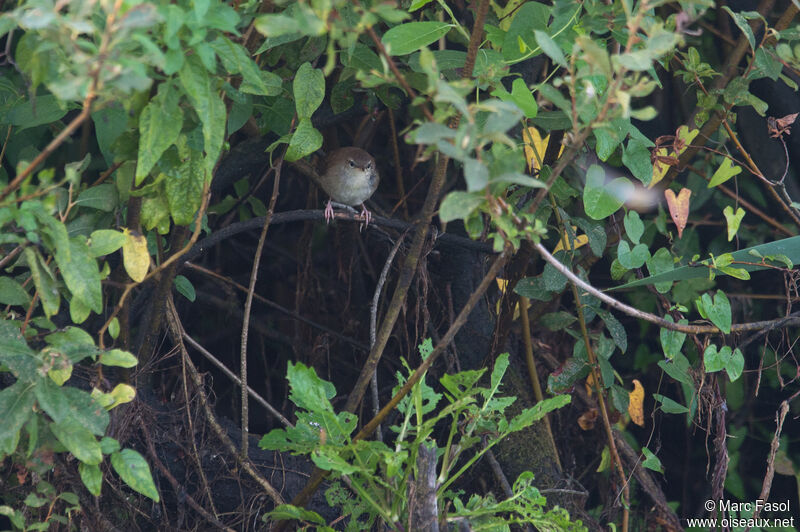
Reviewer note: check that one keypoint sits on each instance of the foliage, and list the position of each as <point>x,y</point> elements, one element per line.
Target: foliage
<point>380,474</point>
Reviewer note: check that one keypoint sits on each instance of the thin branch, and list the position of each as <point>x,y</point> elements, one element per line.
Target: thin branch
<point>249,303</point>
<point>652,318</point>
<point>232,376</point>
<point>373,322</point>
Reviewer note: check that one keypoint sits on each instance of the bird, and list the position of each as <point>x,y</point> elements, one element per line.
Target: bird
<point>350,177</point>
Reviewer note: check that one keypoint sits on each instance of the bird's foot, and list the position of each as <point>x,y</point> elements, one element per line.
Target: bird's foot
<point>328,212</point>
<point>366,215</point>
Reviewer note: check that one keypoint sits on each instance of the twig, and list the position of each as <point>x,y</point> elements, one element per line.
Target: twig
<point>232,376</point>
<point>151,451</point>
<point>249,303</point>
<point>652,318</point>
<point>174,328</point>
<point>373,320</point>
<point>766,486</point>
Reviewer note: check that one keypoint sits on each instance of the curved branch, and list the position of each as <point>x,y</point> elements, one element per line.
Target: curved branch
<point>652,318</point>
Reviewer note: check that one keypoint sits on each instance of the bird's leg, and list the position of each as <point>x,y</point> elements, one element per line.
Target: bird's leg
<point>366,215</point>
<point>328,212</point>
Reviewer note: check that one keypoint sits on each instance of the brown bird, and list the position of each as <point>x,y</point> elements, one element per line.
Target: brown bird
<point>350,178</point>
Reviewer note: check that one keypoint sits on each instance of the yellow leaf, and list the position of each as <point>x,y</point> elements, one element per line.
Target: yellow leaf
<point>636,403</point>
<point>501,285</point>
<point>122,393</point>
<point>580,240</point>
<point>535,146</point>
<point>659,169</point>
<point>135,256</point>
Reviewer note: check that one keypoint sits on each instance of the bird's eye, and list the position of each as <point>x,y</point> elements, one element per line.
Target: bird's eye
<point>369,166</point>
<point>352,164</point>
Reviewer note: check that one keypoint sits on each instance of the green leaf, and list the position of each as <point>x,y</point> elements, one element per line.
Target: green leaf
<point>309,90</point>
<point>555,321</point>
<point>735,365</point>
<point>677,368</point>
<point>527,19</point>
<point>788,247</point>
<point>634,227</point>
<point>743,25</point>
<point>567,375</point>
<point>411,36</point>
<point>305,140</point>
<point>102,197</point>
<point>119,358</point>
<point>615,328</point>
<point>32,112</point>
<point>184,287</point>
<point>550,48</point>
<point>159,126</point>
<point>16,404</point>
<point>672,341</point>
<point>716,360</point>
<point>636,157</point>
<point>71,405</point>
<point>105,241</point>
<point>81,274</point>
<point>733,220</point>
<point>286,512</point>
<point>651,461</point>
<point>725,171</point>
<point>475,174</point>
<point>134,471</point>
<point>718,310</point>
<point>236,60</point>
<point>78,440</point>
<point>92,477</point>
<point>12,293</point>
<point>184,188</point>
<point>459,205</point>
<point>632,258</point>
<point>668,406</point>
<point>209,107</point>
<point>44,281</point>
<point>661,262</point>
<point>538,411</point>
<point>601,199</point>
<point>520,95</point>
